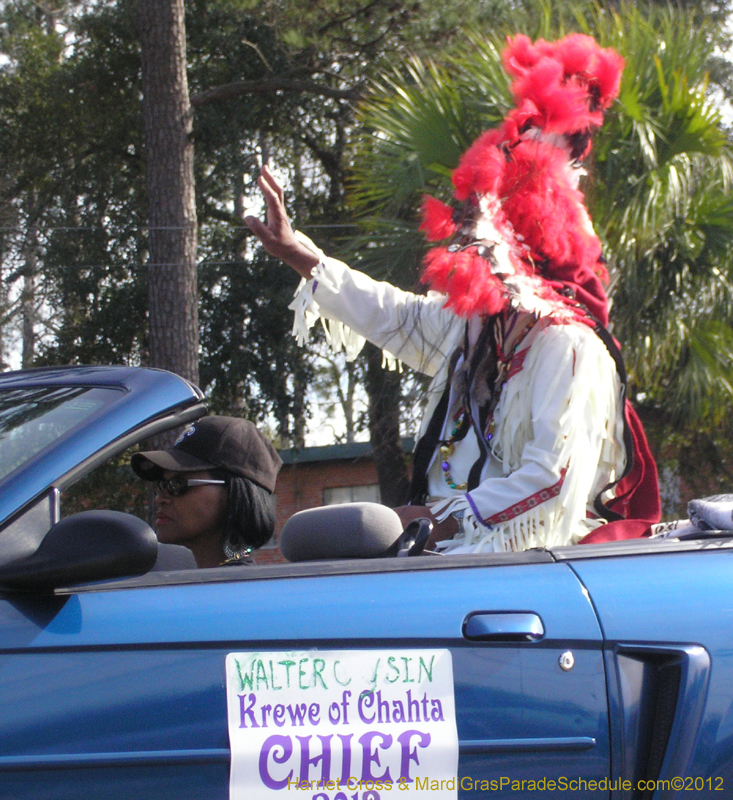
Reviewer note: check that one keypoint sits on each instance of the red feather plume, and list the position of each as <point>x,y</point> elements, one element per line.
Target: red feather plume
<point>437,220</point>
<point>467,280</point>
<point>520,174</point>
<point>480,167</point>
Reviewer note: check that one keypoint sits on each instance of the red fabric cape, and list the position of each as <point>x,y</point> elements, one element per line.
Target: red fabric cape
<point>637,497</point>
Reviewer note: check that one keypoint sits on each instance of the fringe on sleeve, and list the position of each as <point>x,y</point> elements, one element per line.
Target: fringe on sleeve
<point>306,312</point>
<point>526,530</point>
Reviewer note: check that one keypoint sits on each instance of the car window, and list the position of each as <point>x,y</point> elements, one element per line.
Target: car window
<point>113,486</point>
<point>33,418</point>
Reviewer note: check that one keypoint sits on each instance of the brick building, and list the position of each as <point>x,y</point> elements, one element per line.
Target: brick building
<point>320,476</point>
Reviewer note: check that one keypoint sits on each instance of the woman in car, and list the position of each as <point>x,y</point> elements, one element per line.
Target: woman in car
<point>215,490</point>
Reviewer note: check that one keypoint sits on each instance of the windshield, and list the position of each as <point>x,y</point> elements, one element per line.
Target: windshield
<point>33,418</point>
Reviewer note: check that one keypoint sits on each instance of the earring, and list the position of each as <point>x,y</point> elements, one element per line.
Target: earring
<point>236,554</point>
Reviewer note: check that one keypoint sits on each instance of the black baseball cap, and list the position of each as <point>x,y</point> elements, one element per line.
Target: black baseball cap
<point>228,443</point>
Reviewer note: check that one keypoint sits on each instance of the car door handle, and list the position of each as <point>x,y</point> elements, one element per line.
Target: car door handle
<point>503,626</point>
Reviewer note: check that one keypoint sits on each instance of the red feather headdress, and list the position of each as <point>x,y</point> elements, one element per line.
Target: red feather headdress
<point>519,227</point>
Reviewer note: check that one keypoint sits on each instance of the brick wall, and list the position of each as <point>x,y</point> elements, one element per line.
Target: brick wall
<point>306,473</point>
<point>301,485</point>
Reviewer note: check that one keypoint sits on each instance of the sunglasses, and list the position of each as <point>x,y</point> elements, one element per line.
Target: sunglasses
<point>177,487</point>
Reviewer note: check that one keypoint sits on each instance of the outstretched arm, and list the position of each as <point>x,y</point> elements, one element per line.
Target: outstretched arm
<point>276,235</point>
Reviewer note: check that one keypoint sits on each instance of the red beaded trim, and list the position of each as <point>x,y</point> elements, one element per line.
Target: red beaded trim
<point>517,363</point>
<point>528,503</point>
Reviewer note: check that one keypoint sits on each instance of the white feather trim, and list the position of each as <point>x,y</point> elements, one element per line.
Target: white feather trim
<point>526,292</point>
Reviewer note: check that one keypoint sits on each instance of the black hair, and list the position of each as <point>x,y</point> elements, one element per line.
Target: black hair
<point>250,513</point>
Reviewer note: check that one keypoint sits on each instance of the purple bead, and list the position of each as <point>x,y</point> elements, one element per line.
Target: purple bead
<point>445,466</point>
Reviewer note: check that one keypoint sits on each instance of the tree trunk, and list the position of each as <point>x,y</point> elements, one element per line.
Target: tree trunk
<point>347,400</point>
<point>299,418</point>
<point>173,296</point>
<point>4,304</point>
<point>28,297</point>
<point>383,388</point>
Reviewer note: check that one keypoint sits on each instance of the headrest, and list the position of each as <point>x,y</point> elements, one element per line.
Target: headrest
<point>349,530</point>
<point>173,557</point>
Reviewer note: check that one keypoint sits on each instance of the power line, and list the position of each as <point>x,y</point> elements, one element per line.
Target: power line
<point>128,264</point>
<point>169,228</point>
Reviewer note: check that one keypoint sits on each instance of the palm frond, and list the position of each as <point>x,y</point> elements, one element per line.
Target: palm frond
<point>388,250</point>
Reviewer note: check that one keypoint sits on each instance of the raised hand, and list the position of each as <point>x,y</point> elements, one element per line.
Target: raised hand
<point>276,235</point>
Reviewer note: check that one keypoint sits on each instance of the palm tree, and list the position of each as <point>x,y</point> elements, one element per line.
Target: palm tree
<point>660,193</point>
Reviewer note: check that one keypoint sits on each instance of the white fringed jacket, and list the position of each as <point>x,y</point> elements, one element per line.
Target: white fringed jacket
<point>558,425</point>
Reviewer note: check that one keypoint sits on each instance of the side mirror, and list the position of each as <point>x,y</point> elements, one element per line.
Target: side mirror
<point>90,546</point>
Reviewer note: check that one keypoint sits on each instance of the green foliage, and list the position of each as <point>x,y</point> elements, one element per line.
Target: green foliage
<point>71,130</point>
<point>252,363</point>
<point>73,171</point>
<point>248,355</point>
<point>73,127</point>
<point>72,180</point>
<point>112,486</point>
<point>665,164</point>
<point>417,121</point>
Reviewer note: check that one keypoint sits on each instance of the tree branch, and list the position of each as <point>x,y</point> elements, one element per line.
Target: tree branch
<point>227,91</point>
<point>330,160</point>
<point>353,15</point>
<point>210,212</point>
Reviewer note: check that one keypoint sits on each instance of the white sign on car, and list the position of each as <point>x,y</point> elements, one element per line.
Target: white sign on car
<point>342,725</point>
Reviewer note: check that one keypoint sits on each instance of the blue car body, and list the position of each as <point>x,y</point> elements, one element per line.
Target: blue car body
<point>602,670</point>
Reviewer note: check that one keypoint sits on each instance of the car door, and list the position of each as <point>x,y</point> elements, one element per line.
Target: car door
<point>667,617</point>
<point>118,690</point>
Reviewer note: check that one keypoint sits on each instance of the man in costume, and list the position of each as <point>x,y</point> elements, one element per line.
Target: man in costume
<point>528,439</point>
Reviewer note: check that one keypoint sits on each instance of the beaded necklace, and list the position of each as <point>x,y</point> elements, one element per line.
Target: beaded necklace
<point>505,333</point>
<point>448,446</point>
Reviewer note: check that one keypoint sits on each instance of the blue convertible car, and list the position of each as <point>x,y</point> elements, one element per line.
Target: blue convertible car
<point>579,672</point>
